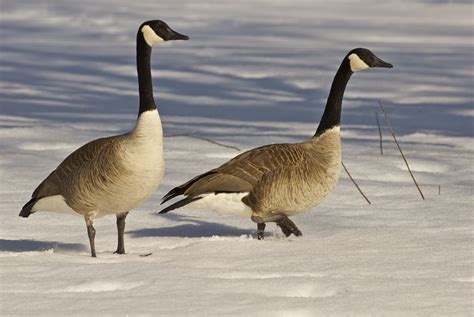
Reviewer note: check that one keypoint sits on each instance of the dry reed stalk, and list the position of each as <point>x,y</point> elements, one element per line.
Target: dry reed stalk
<point>380,132</point>
<point>357,186</point>
<point>389,123</point>
<point>204,139</point>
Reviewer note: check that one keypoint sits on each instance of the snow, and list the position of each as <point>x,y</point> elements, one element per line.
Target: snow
<point>253,73</point>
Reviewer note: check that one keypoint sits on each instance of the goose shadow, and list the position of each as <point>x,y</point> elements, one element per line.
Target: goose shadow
<point>193,228</point>
<point>35,245</point>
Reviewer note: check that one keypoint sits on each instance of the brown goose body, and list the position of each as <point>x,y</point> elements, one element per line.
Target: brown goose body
<point>304,175</point>
<point>275,181</point>
<point>116,174</point>
<point>277,178</point>
<point>74,178</point>
<point>106,176</point>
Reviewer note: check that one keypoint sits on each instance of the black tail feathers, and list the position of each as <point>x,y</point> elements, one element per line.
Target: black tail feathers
<point>181,190</point>
<point>179,204</point>
<point>172,193</point>
<point>26,210</point>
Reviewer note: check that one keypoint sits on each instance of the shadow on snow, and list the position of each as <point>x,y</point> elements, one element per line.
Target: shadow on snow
<point>35,245</point>
<point>192,229</point>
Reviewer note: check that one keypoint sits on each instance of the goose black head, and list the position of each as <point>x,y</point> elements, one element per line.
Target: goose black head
<point>155,31</point>
<point>362,58</point>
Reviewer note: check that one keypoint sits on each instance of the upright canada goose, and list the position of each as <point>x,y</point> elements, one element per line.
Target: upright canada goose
<point>115,174</point>
<point>275,181</point>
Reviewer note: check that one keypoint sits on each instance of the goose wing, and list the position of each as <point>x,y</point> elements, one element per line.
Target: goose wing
<point>51,185</point>
<point>241,173</point>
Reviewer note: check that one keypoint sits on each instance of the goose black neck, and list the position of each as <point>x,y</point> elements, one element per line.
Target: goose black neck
<point>332,113</point>
<point>145,85</point>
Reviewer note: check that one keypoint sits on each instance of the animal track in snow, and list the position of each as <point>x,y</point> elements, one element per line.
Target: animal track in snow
<point>264,276</point>
<point>100,286</point>
<point>307,291</point>
<point>300,290</point>
<point>424,166</point>
<point>94,287</point>
<point>171,245</point>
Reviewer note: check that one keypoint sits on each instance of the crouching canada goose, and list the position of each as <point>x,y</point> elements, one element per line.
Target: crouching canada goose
<point>273,182</point>
<point>115,174</point>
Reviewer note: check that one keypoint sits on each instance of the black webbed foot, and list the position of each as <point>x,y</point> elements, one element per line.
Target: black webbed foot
<point>288,227</point>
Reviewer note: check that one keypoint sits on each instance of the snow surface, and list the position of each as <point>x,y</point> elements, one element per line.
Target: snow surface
<point>254,72</point>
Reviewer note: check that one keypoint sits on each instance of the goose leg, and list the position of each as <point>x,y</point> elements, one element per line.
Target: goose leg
<point>91,233</point>
<point>287,226</point>
<point>120,231</point>
<point>286,231</point>
<point>260,230</point>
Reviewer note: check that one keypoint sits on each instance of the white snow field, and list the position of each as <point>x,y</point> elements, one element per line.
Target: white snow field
<point>254,72</point>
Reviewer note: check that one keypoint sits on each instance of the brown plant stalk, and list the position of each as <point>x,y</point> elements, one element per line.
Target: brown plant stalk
<point>389,123</point>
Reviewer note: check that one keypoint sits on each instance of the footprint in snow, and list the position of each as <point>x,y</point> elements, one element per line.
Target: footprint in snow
<point>99,286</point>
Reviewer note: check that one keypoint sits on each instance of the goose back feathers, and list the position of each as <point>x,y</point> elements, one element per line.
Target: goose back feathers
<point>275,178</point>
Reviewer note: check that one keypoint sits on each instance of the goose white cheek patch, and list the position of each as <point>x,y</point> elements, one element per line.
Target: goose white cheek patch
<point>357,63</point>
<point>150,36</point>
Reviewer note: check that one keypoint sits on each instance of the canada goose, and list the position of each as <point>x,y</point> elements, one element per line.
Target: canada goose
<point>115,174</point>
<point>275,181</point>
